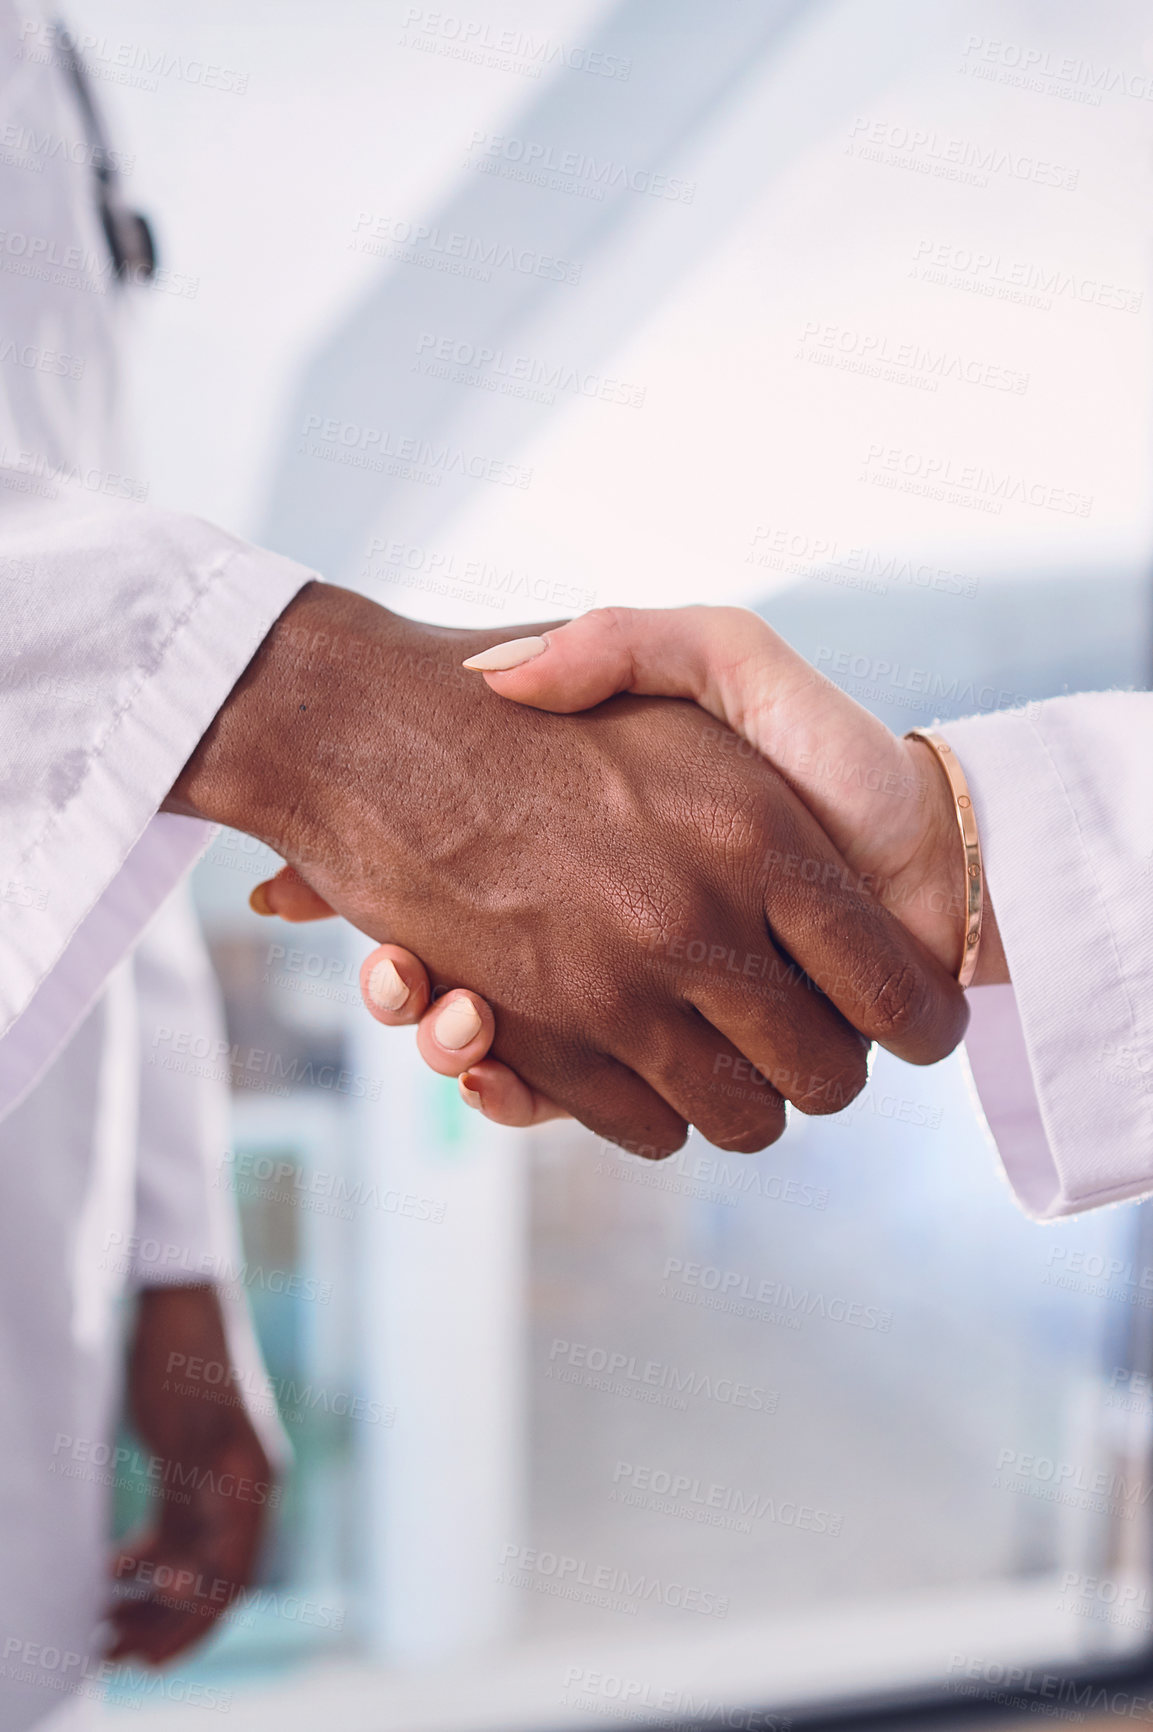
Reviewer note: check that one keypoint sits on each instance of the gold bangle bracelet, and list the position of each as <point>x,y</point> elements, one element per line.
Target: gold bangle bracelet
<point>970,842</point>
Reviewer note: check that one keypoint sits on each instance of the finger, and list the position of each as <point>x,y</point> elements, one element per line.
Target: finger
<point>157,1634</point>
<point>154,1632</point>
<point>496,1091</point>
<point>729,1069</point>
<point>394,985</point>
<point>167,1612</point>
<point>726,659</point>
<point>491,1086</point>
<point>783,1038</point>
<point>145,1620</point>
<point>288,896</point>
<point>608,1098</point>
<point>455,1032</point>
<point>879,976</point>
<point>665,652</point>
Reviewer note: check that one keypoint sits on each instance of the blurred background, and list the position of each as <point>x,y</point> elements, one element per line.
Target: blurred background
<point>836,309</point>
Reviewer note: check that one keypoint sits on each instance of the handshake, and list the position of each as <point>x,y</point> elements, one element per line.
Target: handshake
<point>721,857</point>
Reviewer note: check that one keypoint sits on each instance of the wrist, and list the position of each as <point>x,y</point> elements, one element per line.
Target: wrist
<point>253,769</point>
<point>346,741</point>
<point>301,729</point>
<point>932,895</point>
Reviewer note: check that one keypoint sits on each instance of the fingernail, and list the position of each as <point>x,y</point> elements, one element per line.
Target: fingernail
<point>470,1096</point>
<point>258,901</point>
<point>386,986</point>
<point>503,656</point>
<point>457,1024</point>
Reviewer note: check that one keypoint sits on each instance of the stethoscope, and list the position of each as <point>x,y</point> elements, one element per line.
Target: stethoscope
<point>129,236</point>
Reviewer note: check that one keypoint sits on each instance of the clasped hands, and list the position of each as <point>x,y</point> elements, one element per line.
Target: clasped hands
<point>640,895</point>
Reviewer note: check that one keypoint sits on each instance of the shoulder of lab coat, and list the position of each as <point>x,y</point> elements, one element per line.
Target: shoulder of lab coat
<point>186,1227</point>
<point>1063,1059</point>
<point>125,632</point>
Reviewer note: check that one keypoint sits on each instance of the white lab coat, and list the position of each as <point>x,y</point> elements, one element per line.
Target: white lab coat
<point>101,1151</point>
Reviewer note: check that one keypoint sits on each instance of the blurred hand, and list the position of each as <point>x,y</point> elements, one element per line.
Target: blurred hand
<point>881,800</point>
<point>213,1481</point>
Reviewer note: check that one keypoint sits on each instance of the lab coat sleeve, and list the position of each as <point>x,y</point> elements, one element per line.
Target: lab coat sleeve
<point>122,631</point>
<point>186,1228</point>
<point>1063,1058</point>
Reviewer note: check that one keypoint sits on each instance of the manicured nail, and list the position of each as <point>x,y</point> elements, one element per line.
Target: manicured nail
<point>386,986</point>
<point>258,901</point>
<point>458,1023</point>
<point>503,656</point>
<point>470,1096</point>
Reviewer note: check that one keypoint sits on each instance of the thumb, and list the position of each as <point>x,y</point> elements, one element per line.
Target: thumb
<point>289,896</point>
<point>683,652</point>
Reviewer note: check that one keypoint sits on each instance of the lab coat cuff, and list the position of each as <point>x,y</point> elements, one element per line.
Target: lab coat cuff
<point>1069,1137</point>
<point>133,857</point>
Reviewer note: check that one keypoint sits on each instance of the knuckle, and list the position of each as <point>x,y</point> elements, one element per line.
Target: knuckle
<point>739,809</point>
<point>612,620</point>
<point>735,827</point>
<point>939,1033</point>
<point>671,930</point>
<point>835,1089</point>
<point>894,1001</point>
